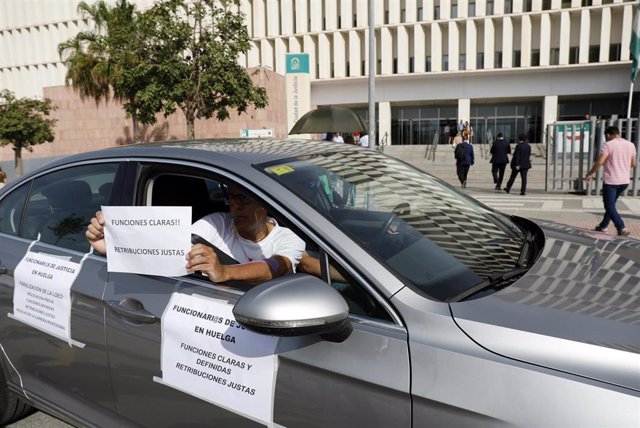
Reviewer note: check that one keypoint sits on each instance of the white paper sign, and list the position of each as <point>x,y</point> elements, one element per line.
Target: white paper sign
<point>147,240</point>
<point>207,354</point>
<point>42,294</point>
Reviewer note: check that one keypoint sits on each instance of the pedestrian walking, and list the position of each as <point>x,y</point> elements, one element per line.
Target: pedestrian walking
<point>500,151</point>
<point>618,156</point>
<point>464,159</point>
<point>520,164</point>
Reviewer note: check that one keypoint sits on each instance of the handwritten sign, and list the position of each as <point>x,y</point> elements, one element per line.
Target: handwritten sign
<point>207,354</point>
<point>42,294</point>
<point>147,240</point>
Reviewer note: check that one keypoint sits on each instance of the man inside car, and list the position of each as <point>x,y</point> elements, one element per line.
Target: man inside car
<point>264,249</point>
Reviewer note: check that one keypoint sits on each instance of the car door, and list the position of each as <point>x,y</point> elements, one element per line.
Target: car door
<point>70,378</point>
<point>363,381</point>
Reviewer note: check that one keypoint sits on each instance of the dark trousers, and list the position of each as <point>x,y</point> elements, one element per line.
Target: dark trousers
<point>523,177</point>
<point>610,195</point>
<point>497,170</point>
<point>462,171</point>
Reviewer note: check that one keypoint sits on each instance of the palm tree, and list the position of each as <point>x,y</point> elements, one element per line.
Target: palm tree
<point>97,58</point>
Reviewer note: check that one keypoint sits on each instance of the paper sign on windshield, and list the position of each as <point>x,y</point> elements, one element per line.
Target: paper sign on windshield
<point>207,354</point>
<point>147,240</point>
<point>42,294</point>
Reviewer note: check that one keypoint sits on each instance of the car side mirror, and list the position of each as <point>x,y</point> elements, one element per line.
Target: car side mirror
<point>295,305</point>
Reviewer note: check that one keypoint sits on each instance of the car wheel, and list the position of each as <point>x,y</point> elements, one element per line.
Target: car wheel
<point>12,406</point>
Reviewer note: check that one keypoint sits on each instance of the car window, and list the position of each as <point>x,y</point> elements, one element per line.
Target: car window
<point>204,195</point>
<point>62,203</point>
<point>434,239</point>
<point>11,210</point>
<point>360,301</point>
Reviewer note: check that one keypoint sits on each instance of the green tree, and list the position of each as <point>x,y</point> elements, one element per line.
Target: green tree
<point>100,60</point>
<point>24,124</point>
<point>193,50</point>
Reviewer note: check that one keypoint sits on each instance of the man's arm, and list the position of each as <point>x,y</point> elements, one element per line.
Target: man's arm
<point>601,159</point>
<point>204,259</point>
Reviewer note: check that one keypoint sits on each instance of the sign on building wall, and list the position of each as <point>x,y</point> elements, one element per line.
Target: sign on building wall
<point>298,87</point>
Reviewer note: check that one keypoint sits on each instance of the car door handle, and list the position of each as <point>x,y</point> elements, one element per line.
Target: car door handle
<point>134,309</point>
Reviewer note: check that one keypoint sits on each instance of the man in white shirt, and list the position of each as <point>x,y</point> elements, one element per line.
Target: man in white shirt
<point>263,249</point>
<point>364,140</point>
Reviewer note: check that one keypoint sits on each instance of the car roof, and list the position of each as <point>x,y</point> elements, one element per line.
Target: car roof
<point>248,151</point>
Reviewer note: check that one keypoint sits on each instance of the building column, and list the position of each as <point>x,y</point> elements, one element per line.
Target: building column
<point>464,109</point>
<point>549,113</point>
<point>384,121</point>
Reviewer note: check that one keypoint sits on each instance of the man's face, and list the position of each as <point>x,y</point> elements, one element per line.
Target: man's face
<point>247,213</point>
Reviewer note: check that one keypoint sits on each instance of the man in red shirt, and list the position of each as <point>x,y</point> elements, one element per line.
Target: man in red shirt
<point>618,157</point>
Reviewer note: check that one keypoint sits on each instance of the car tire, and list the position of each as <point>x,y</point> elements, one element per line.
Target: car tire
<point>12,406</point>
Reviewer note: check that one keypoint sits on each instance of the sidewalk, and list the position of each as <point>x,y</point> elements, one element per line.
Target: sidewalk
<point>575,210</point>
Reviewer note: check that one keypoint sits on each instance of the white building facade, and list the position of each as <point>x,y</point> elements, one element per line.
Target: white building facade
<point>508,66</point>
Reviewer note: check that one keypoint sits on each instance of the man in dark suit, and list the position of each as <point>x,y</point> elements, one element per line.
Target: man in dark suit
<point>464,159</point>
<point>520,163</point>
<point>500,150</point>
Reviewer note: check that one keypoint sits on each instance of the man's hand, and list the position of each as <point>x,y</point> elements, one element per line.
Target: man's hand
<point>95,233</point>
<point>204,259</point>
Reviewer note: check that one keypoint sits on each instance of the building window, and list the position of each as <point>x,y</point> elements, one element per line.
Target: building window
<point>497,60</point>
<point>445,62</point>
<point>527,6</point>
<point>594,53</point>
<point>614,52</point>
<point>574,54</point>
<point>508,6</point>
<point>546,4</point>
<point>535,57</point>
<point>395,66</point>
<point>355,20</point>
<point>427,63</point>
<point>412,64</point>
<point>480,60</point>
<point>436,13</point>
<point>379,67</point>
<point>462,63</point>
<point>403,15</point>
<point>363,70</point>
<point>515,59</point>
<point>386,16</point>
<point>586,3</point>
<point>566,4</point>
<point>420,14</point>
<point>554,56</point>
<point>454,11</point>
<point>472,9</point>
<point>489,7</point>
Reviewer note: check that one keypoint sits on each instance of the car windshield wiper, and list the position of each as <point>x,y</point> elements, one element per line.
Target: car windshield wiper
<point>496,281</point>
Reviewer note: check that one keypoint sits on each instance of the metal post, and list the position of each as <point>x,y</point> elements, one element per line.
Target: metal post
<point>373,142</point>
<point>548,159</point>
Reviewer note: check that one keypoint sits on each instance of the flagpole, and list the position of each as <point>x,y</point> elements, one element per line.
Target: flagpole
<point>630,100</point>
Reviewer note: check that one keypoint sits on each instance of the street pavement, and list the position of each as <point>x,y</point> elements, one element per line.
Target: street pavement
<point>574,210</point>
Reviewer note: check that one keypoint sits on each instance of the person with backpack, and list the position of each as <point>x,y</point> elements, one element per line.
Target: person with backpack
<point>464,159</point>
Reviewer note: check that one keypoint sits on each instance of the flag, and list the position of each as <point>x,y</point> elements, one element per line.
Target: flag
<point>634,47</point>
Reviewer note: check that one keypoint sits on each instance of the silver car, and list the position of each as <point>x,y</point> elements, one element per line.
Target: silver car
<point>431,310</point>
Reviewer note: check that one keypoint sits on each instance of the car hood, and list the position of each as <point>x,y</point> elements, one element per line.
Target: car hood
<point>577,310</point>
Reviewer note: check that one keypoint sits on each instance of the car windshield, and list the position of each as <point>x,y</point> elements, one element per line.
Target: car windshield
<point>431,236</point>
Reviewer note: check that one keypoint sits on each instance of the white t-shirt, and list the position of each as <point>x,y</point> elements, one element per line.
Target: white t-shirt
<point>338,139</point>
<point>364,141</point>
<point>218,229</point>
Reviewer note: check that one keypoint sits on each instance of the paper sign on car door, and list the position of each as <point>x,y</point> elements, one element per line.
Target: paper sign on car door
<point>147,240</point>
<point>206,353</point>
<point>42,294</point>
